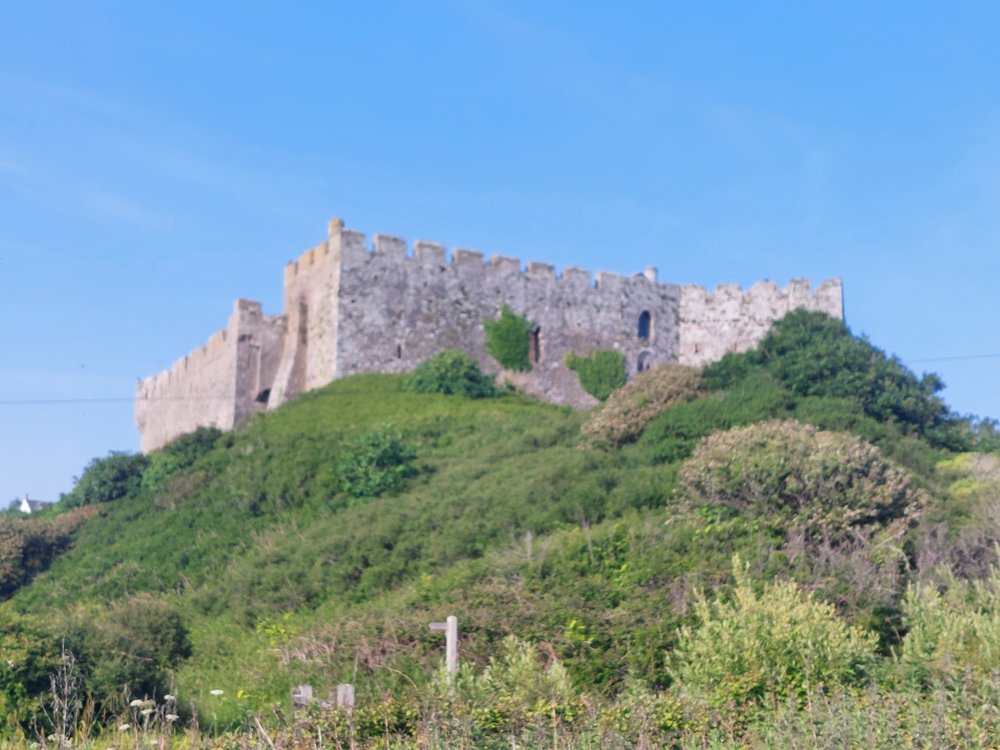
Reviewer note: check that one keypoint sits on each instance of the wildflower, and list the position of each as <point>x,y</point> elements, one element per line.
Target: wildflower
<point>136,703</point>
<point>124,727</point>
<point>146,711</point>
<point>169,698</point>
<point>172,717</point>
<point>216,692</point>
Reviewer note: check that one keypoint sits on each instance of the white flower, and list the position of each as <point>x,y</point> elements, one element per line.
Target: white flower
<point>169,698</point>
<point>124,727</point>
<point>172,717</point>
<point>146,711</point>
<point>216,692</point>
<point>136,703</point>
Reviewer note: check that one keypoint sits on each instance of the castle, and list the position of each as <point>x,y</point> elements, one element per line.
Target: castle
<point>350,309</point>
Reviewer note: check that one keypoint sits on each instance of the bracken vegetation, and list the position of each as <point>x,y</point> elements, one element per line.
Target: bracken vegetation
<point>589,559</point>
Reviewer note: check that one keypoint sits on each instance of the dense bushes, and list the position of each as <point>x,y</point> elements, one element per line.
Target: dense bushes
<point>764,648</point>
<point>508,339</point>
<point>953,631</point>
<point>29,657</point>
<point>450,372</point>
<point>376,462</point>
<point>813,354</point>
<point>178,455</point>
<point>791,475</point>
<point>629,409</point>
<point>600,372</point>
<point>129,648</point>
<point>107,479</point>
<point>28,545</point>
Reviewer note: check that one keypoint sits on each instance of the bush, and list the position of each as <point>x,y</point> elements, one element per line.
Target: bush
<point>791,475</point>
<point>951,631</point>
<point>177,455</point>
<point>130,647</point>
<point>30,655</point>
<point>105,480</point>
<point>508,339</point>
<point>376,463</point>
<point>28,546</point>
<point>673,435</point>
<point>762,649</point>
<point>813,354</point>
<point>600,372</point>
<point>629,409</point>
<point>450,372</point>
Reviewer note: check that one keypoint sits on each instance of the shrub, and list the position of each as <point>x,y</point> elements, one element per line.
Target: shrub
<point>629,409</point>
<point>951,630</point>
<point>673,434</point>
<point>600,372</point>
<point>28,546</point>
<point>792,475</point>
<point>30,655</point>
<point>813,354</point>
<point>761,649</point>
<point>375,463</point>
<point>177,455</point>
<point>451,372</point>
<point>508,339</point>
<point>105,480</point>
<point>132,645</point>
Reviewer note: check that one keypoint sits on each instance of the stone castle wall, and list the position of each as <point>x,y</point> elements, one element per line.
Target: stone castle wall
<point>351,308</point>
<point>730,319</point>
<point>216,385</point>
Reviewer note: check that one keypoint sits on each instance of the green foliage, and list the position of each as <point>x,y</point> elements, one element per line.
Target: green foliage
<point>629,409</point>
<point>812,354</point>
<point>600,372</point>
<point>375,463</point>
<point>508,339</point>
<point>129,648</point>
<point>453,373</point>
<point>178,455</point>
<point>105,480</point>
<point>673,435</point>
<point>28,545</point>
<point>760,649</point>
<point>951,630</point>
<point>28,656</point>
<point>791,475</point>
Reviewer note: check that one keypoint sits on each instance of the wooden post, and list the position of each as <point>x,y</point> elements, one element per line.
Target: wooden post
<point>450,628</point>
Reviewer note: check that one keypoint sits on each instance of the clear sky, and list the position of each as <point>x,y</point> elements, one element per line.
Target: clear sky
<point>159,160</point>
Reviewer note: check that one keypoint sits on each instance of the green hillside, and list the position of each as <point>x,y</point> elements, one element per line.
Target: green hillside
<point>611,572</point>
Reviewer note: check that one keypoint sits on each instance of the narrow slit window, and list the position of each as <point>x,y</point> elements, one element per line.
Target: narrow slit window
<point>535,344</point>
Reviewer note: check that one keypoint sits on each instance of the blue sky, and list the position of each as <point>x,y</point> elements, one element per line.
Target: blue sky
<point>157,161</point>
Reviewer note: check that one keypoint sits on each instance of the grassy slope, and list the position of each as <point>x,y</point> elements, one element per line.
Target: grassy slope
<point>256,529</point>
<point>509,525</point>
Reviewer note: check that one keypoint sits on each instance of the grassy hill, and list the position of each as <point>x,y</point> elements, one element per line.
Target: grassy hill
<point>316,543</point>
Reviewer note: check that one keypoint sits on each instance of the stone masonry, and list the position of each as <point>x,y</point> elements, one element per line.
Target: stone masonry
<point>350,309</point>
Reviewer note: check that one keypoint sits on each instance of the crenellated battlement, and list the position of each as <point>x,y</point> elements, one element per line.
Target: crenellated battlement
<point>354,306</point>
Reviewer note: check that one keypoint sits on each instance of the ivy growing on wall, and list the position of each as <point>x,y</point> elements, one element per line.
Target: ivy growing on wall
<point>600,372</point>
<point>507,339</point>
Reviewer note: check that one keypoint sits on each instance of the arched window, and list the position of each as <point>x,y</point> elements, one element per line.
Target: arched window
<point>645,324</point>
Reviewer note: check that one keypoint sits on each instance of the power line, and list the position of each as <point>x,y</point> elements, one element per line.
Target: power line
<point>955,358</point>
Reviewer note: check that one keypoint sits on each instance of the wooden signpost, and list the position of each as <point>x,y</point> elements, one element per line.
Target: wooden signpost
<point>450,628</point>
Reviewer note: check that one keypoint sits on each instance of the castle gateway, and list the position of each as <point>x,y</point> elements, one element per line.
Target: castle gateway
<point>350,309</point>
